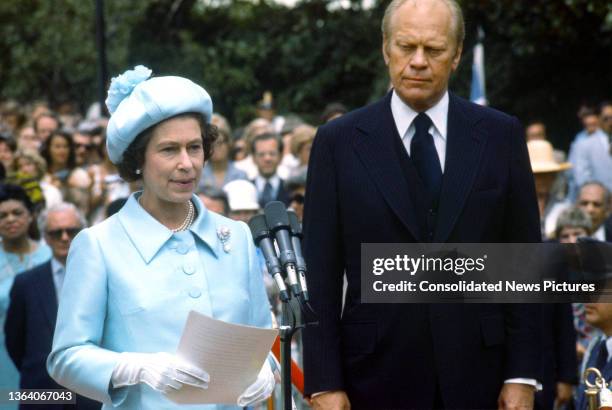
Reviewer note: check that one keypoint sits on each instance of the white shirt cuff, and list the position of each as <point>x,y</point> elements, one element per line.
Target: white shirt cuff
<point>522,380</point>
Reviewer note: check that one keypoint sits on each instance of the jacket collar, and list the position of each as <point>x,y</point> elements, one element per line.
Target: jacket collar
<point>148,235</point>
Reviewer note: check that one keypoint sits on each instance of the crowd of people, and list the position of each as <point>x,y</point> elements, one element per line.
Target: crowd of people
<point>58,177</point>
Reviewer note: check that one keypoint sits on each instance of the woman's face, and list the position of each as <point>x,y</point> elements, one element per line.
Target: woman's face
<point>6,155</point>
<point>15,219</point>
<point>26,166</point>
<point>173,160</point>
<point>221,151</point>
<point>59,150</point>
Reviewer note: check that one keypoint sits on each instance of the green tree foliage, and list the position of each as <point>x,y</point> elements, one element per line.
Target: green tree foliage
<point>543,57</point>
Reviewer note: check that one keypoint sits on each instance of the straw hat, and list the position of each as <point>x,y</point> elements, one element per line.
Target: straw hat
<point>542,158</point>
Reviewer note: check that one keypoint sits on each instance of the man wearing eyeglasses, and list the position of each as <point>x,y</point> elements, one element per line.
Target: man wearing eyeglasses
<point>31,315</point>
<point>82,149</point>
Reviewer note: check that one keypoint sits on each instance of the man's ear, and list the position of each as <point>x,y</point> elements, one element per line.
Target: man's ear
<point>457,58</point>
<point>385,47</point>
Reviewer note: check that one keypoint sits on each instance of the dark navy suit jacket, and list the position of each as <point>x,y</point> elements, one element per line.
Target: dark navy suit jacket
<point>362,187</point>
<point>29,327</point>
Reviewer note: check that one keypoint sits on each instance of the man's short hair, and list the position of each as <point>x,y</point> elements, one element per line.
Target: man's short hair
<point>607,194</point>
<point>60,207</point>
<point>267,136</point>
<point>458,25</point>
<point>48,114</point>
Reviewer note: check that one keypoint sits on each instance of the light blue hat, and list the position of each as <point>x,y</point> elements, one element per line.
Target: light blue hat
<point>137,102</point>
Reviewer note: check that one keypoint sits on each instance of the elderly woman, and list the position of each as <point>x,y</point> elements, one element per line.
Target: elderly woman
<point>18,253</point>
<point>132,279</point>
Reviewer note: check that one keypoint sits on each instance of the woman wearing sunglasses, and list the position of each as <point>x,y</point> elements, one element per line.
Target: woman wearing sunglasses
<point>132,279</point>
<point>18,252</point>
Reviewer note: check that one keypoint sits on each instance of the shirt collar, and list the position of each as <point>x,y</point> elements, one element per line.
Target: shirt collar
<point>260,182</point>
<point>148,235</point>
<point>56,267</point>
<point>403,114</point>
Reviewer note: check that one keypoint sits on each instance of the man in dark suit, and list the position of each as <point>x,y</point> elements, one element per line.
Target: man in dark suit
<point>420,165</point>
<point>267,152</point>
<point>30,320</point>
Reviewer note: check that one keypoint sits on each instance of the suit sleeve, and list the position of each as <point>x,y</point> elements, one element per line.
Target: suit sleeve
<point>323,254</point>
<point>77,361</point>
<point>522,225</point>
<point>15,324</point>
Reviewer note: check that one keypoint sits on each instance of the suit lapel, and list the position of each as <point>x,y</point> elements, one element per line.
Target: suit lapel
<point>47,296</point>
<point>464,147</point>
<point>375,147</point>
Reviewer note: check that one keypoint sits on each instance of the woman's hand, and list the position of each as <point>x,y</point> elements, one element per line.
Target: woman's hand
<point>162,371</point>
<point>261,389</point>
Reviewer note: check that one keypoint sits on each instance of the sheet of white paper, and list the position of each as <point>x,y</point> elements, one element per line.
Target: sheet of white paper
<point>231,354</point>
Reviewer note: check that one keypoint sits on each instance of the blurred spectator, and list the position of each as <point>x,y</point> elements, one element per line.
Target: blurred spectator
<point>46,124</point>
<point>27,139</point>
<point>333,111</point>
<point>74,183</point>
<point>266,110</point>
<point>215,200</point>
<point>242,199</point>
<point>12,117</point>
<point>545,170</point>
<point>28,162</point>
<point>267,150</point>
<point>288,162</point>
<point>303,136</point>
<point>18,252</point>
<point>8,146</point>
<point>82,149</point>
<point>219,170</point>
<point>593,155</point>
<point>296,186</point>
<point>573,223</point>
<point>107,186</point>
<point>595,199</point>
<point>256,127</point>
<point>536,131</point>
<point>33,304</point>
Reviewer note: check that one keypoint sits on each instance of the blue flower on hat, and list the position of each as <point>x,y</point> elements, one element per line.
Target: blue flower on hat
<point>122,85</point>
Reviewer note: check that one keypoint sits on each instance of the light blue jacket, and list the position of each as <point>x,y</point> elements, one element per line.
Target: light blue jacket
<point>129,285</point>
<point>593,160</point>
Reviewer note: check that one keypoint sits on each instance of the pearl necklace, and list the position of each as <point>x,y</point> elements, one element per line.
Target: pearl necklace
<point>188,219</point>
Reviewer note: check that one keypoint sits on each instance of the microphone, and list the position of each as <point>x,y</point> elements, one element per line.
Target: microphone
<point>278,223</point>
<point>296,241</point>
<point>263,239</point>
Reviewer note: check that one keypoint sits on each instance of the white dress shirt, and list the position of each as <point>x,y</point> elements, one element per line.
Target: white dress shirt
<point>404,116</point>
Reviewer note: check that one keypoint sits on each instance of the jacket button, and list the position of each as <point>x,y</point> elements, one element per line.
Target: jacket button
<point>182,249</point>
<point>195,293</point>
<point>188,269</point>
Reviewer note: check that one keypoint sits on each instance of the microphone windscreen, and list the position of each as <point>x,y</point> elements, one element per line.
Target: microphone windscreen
<point>276,215</point>
<point>296,226</point>
<point>258,227</point>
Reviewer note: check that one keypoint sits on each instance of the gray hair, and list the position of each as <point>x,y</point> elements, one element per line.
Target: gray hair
<point>458,24</point>
<point>60,207</point>
<point>607,194</point>
<point>573,217</point>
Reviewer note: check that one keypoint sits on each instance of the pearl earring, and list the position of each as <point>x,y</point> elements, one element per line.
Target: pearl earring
<point>138,171</point>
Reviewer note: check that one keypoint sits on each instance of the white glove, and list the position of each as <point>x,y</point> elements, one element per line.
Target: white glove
<point>261,389</point>
<point>162,371</point>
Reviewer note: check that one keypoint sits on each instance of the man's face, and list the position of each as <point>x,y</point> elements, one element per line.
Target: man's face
<point>590,123</point>
<point>606,119</point>
<point>82,147</point>
<point>266,157</point>
<point>45,127</point>
<point>62,227</point>
<point>598,314</point>
<point>536,132</point>
<point>421,52</point>
<point>592,201</point>
<point>570,234</point>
